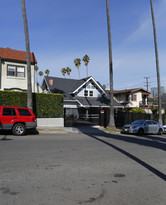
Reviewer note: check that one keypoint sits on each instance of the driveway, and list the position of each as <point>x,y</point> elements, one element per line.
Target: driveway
<point>94,168</point>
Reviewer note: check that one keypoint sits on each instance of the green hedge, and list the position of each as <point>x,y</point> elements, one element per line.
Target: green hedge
<point>45,105</point>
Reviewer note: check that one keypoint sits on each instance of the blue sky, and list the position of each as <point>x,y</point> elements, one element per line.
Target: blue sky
<point>61,31</point>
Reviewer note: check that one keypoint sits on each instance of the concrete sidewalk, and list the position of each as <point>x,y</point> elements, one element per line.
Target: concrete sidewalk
<point>65,130</point>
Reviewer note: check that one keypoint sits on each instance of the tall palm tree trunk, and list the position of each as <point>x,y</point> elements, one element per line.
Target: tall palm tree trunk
<point>87,70</point>
<point>29,84</point>
<point>111,121</point>
<point>78,72</point>
<point>157,62</point>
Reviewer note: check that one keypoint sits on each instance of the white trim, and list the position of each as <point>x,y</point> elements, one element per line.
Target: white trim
<point>80,103</point>
<point>74,101</point>
<point>91,78</point>
<point>103,106</point>
<point>70,100</point>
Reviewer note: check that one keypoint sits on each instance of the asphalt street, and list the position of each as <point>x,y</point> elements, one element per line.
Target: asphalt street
<point>74,168</point>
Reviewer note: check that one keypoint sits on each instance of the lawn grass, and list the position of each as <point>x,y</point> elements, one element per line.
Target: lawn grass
<point>112,130</point>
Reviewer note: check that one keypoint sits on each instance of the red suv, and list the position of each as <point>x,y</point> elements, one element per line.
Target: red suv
<point>17,119</point>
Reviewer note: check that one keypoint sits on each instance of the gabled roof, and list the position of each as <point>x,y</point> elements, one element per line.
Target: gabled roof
<point>87,80</point>
<point>131,91</point>
<point>96,102</point>
<point>16,55</point>
<point>62,85</point>
<point>68,87</point>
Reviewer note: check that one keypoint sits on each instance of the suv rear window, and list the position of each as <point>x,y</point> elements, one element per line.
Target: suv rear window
<point>24,112</point>
<point>9,112</point>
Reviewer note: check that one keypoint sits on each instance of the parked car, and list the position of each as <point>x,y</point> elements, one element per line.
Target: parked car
<point>164,128</point>
<point>17,119</point>
<point>143,127</point>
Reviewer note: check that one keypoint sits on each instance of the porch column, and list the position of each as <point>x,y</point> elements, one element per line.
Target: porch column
<point>87,113</point>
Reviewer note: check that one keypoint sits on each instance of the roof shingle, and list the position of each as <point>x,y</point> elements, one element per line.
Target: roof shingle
<point>16,55</point>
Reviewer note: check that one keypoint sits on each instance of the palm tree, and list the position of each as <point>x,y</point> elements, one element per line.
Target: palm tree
<point>77,63</point>
<point>29,84</point>
<point>36,69</point>
<point>68,70</point>
<point>104,86</point>
<point>111,121</point>
<point>157,62</point>
<point>47,72</point>
<point>86,60</point>
<point>63,71</point>
<point>40,74</point>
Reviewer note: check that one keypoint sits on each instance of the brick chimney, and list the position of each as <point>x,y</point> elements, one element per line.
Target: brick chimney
<point>51,81</point>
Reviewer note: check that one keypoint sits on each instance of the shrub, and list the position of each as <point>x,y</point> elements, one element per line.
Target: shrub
<point>137,110</point>
<point>45,105</point>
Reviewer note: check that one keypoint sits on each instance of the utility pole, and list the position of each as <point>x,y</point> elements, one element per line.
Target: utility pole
<point>147,83</point>
<point>147,87</point>
<point>157,62</point>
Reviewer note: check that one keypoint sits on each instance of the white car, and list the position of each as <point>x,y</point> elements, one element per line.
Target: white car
<point>141,127</point>
<point>164,128</point>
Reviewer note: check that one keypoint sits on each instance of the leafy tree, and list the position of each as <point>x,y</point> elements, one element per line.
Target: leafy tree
<point>157,62</point>
<point>77,63</point>
<point>47,72</point>
<point>68,70</point>
<point>29,83</point>
<point>63,71</point>
<point>111,121</point>
<point>86,60</point>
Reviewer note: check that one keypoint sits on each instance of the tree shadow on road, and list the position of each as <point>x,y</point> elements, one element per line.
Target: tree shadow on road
<point>99,135</point>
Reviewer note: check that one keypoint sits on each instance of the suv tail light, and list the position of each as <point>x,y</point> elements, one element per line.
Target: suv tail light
<point>34,119</point>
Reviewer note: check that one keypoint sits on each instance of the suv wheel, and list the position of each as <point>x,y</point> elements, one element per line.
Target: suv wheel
<point>19,129</point>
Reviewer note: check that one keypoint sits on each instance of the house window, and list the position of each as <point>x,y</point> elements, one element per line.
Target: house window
<point>20,71</point>
<point>133,97</point>
<point>16,71</point>
<point>91,93</point>
<point>85,93</point>
<point>11,71</point>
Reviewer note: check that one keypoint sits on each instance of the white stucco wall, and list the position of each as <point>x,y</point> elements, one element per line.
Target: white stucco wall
<point>89,87</point>
<point>50,122</point>
<point>8,82</point>
<point>122,99</point>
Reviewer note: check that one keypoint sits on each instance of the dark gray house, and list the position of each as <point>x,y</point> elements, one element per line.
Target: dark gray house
<point>83,99</point>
